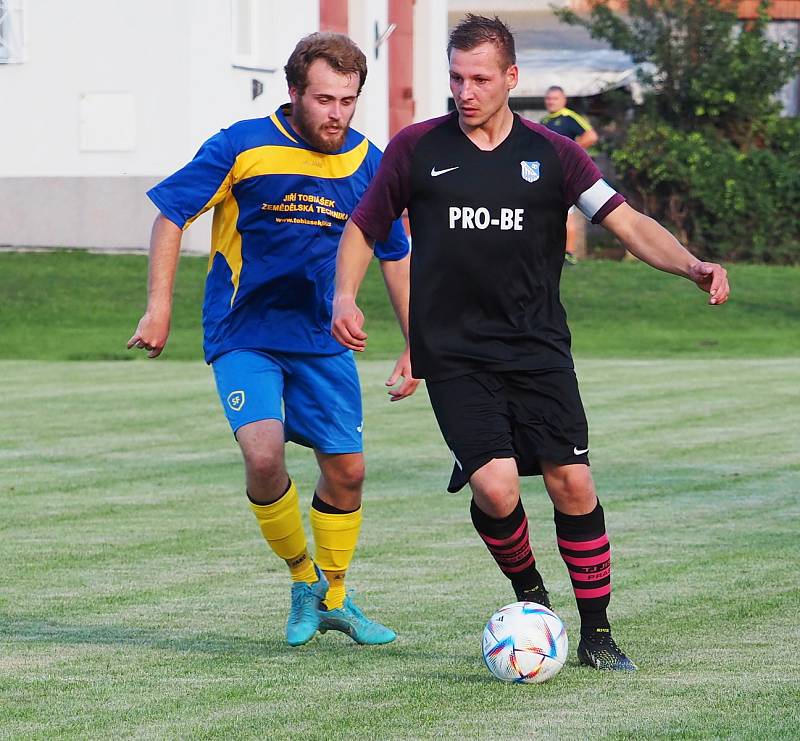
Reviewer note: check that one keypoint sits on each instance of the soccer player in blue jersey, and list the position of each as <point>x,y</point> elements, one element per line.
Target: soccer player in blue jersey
<point>282,189</point>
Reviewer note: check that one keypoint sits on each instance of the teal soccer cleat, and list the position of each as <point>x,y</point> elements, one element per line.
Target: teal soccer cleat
<point>304,613</point>
<point>349,619</point>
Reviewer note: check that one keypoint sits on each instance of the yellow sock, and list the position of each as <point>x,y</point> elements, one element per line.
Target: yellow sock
<point>335,537</point>
<point>282,527</point>
<point>336,593</point>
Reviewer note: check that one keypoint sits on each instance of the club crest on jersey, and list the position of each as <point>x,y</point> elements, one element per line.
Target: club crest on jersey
<point>530,171</point>
<point>236,400</point>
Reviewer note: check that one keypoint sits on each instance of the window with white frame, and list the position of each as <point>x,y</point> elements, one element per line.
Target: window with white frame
<point>244,24</point>
<point>263,32</point>
<point>12,47</point>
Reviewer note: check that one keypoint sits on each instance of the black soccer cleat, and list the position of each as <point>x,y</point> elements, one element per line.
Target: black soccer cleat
<point>537,594</point>
<point>598,650</point>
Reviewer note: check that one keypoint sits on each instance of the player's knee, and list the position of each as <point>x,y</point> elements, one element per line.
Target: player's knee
<point>265,465</point>
<point>496,500</point>
<point>352,477</point>
<point>347,475</point>
<point>571,487</point>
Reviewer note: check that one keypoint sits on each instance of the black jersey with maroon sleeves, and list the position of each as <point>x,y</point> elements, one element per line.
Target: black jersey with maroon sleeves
<point>488,230</point>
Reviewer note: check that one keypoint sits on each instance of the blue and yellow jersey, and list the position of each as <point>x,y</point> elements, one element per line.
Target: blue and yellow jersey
<point>567,123</point>
<point>279,210</point>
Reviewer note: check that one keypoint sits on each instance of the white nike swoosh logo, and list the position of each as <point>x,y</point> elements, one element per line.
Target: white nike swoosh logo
<point>435,173</point>
<point>579,452</point>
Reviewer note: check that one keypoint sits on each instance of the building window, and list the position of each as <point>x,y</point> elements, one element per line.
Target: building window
<point>12,48</point>
<point>244,18</point>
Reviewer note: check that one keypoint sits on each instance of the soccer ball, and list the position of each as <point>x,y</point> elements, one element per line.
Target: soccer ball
<point>524,642</point>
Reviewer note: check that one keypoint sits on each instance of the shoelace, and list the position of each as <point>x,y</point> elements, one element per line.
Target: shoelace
<point>352,608</point>
<point>298,599</point>
<point>535,595</point>
<point>603,640</point>
<point>604,645</point>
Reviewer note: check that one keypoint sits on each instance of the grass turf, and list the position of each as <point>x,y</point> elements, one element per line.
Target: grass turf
<point>138,600</point>
<point>82,306</point>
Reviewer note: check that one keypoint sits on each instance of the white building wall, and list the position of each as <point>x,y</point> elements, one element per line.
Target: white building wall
<point>221,93</point>
<point>93,47</point>
<point>174,60</point>
<point>431,79</point>
<point>113,95</point>
<point>372,113</point>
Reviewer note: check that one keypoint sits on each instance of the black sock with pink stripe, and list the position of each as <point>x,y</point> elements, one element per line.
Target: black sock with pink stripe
<point>584,546</point>
<point>508,541</point>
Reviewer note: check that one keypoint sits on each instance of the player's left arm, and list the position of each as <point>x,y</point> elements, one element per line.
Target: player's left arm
<point>587,139</point>
<point>587,136</point>
<point>649,241</point>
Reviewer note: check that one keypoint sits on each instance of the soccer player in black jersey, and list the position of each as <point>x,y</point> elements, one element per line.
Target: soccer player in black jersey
<point>487,194</point>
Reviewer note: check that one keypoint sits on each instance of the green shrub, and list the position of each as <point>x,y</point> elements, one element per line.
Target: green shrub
<point>707,152</point>
<point>724,202</point>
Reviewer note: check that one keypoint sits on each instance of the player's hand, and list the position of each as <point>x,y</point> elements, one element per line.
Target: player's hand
<point>150,335</point>
<point>711,278</point>
<point>402,369</point>
<point>347,324</point>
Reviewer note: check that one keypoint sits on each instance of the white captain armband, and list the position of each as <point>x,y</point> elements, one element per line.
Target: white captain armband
<point>593,199</point>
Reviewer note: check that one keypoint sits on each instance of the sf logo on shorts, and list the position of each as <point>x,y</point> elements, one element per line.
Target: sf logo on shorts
<point>236,400</point>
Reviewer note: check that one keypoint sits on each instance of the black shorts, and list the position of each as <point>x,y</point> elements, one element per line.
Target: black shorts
<point>527,415</point>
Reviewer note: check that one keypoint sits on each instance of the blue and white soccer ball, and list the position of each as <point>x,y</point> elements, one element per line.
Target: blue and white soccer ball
<point>525,643</point>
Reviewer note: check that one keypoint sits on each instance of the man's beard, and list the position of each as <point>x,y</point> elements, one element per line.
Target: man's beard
<point>315,137</point>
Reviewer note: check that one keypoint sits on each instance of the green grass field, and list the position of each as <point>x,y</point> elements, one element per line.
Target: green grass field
<point>137,599</point>
<point>82,306</point>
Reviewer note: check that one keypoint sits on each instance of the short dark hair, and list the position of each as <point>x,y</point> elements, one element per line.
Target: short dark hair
<point>555,89</point>
<point>338,50</point>
<point>475,30</point>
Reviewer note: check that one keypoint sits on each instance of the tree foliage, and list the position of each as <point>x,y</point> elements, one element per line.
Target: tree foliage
<point>707,151</point>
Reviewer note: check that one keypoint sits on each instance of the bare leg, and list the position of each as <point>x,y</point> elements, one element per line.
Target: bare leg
<point>336,522</point>
<point>584,546</point>
<point>499,518</point>
<point>571,487</point>
<point>262,446</point>
<point>336,519</point>
<point>495,487</point>
<point>341,480</point>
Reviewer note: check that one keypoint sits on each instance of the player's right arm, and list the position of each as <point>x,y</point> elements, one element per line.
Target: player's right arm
<point>373,219</point>
<point>586,136</point>
<point>352,261</point>
<point>153,329</point>
<point>181,198</point>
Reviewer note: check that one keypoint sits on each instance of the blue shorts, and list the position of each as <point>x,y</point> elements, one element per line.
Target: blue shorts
<point>317,397</point>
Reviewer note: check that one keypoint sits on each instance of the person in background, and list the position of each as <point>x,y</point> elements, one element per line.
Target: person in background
<point>566,122</point>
